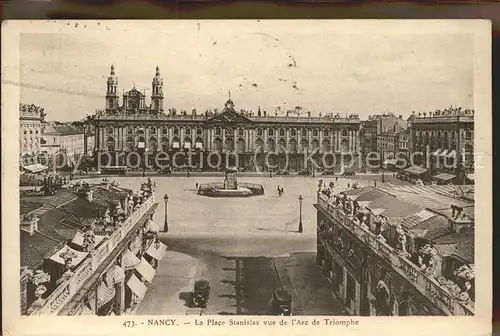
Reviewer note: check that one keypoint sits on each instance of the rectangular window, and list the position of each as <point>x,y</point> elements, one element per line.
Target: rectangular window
<point>315,133</point>
<point>270,132</point>
<point>282,132</point>
<point>259,132</point>
<point>199,131</point>
<point>292,132</point>
<point>326,133</point>
<point>218,131</point>
<point>176,131</point>
<point>304,133</point>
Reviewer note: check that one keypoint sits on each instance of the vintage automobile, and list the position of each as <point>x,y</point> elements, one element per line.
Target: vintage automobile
<point>348,172</point>
<point>282,303</point>
<point>201,293</point>
<point>328,172</point>
<point>305,172</point>
<point>282,172</point>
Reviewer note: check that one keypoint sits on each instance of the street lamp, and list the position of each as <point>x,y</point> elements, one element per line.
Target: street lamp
<point>300,214</point>
<point>165,225</point>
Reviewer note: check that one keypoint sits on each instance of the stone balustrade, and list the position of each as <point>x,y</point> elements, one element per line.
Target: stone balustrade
<point>66,290</point>
<point>425,284</point>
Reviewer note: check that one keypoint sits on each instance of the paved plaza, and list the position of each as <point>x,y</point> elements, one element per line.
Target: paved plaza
<point>246,247</point>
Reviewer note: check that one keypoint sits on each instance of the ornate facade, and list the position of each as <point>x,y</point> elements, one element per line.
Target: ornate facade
<point>449,137</point>
<point>135,125</point>
<point>30,132</point>
<point>387,256</point>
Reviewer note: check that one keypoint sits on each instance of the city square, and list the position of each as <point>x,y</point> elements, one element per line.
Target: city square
<point>253,191</point>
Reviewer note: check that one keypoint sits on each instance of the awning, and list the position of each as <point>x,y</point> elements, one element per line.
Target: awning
<point>199,145</point>
<point>364,204</point>
<point>416,170</point>
<point>157,253</point>
<point>436,153</point>
<point>115,275</point>
<point>187,145</point>
<point>470,176</point>
<point>378,211</point>
<point>390,162</point>
<point>86,311</point>
<point>444,152</point>
<point>130,260</point>
<point>152,226</point>
<point>452,154</point>
<point>77,255</point>
<point>35,168</point>
<point>104,294</point>
<point>175,145</point>
<point>444,177</point>
<point>137,287</point>
<point>146,270</point>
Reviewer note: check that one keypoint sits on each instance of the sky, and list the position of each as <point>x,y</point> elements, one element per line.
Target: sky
<point>322,66</point>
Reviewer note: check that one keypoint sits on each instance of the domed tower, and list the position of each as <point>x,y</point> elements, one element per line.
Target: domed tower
<point>111,94</point>
<point>157,92</point>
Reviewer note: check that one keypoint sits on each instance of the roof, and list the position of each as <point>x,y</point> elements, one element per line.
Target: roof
<point>35,248</point>
<point>465,243</point>
<point>61,130</point>
<point>394,207</point>
<point>444,177</point>
<point>29,206</point>
<point>81,208</point>
<point>416,170</point>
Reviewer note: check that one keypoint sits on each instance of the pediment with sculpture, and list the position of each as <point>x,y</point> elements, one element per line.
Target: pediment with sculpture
<point>229,115</point>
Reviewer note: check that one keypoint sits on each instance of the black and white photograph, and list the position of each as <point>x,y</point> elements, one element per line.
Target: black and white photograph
<point>234,169</point>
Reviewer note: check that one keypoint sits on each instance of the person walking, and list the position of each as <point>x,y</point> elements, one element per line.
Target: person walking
<point>196,185</point>
<point>282,191</point>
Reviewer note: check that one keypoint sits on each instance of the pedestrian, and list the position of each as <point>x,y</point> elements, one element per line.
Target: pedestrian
<point>348,185</point>
<point>282,191</point>
<point>336,178</point>
<point>196,185</point>
<point>375,184</point>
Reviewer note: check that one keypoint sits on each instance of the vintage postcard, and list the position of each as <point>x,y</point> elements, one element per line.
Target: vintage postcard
<point>221,177</point>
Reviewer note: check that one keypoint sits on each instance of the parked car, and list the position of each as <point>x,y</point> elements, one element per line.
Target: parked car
<point>305,172</point>
<point>282,172</point>
<point>201,293</point>
<point>348,173</point>
<point>328,172</point>
<point>282,303</point>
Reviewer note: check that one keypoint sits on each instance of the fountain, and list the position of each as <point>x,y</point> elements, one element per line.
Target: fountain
<point>230,187</point>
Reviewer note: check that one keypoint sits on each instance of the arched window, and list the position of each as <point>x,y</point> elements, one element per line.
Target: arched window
<point>326,133</point>
<point>260,132</point>
<point>187,130</point>
<point>304,132</point>
<point>293,132</point>
<point>282,132</point>
<point>218,131</point>
<point>164,130</point>
<point>176,131</point>
<point>199,131</point>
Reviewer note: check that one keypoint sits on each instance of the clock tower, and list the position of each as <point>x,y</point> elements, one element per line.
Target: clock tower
<point>111,93</point>
<point>157,92</point>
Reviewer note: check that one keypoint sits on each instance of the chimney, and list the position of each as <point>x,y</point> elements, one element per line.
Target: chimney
<point>29,223</point>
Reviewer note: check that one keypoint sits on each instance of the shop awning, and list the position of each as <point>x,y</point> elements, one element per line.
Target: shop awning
<point>199,145</point>
<point>390,162</point>
<point>436,153</point>
<point>155,252</point>
<point>116,274</point>
<point>444,177</point>
<point>146,270</point>
<point>175,145</point>
<point>378,211</point>
<point>364,204</point>
<point>86,311</point>
<point>470,176</point>
<point>416,170</point>
<point>137,287</point>
<point>152,226</point>
<point>77,255</point>
<point>35,168</point>
<point>130,260</point>
<point>104,294</point>
<point>187,145</point>
<point>444,152</point>
<point>452,154</point>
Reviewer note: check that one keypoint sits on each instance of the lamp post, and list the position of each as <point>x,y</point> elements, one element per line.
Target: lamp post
<point>165,225</point>
<point>300,213</point>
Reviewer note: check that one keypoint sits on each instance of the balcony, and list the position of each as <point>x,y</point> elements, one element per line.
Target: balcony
<point>67,289</point>
<point>426,285</point>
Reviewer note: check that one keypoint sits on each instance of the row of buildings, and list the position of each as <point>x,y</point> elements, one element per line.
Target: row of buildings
<point>88,250</point>
<point>437,145</point>
<point>40,140</point>
<point>399,250</point>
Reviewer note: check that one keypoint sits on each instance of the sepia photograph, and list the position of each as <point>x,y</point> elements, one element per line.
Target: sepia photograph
<point>234,169</point>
